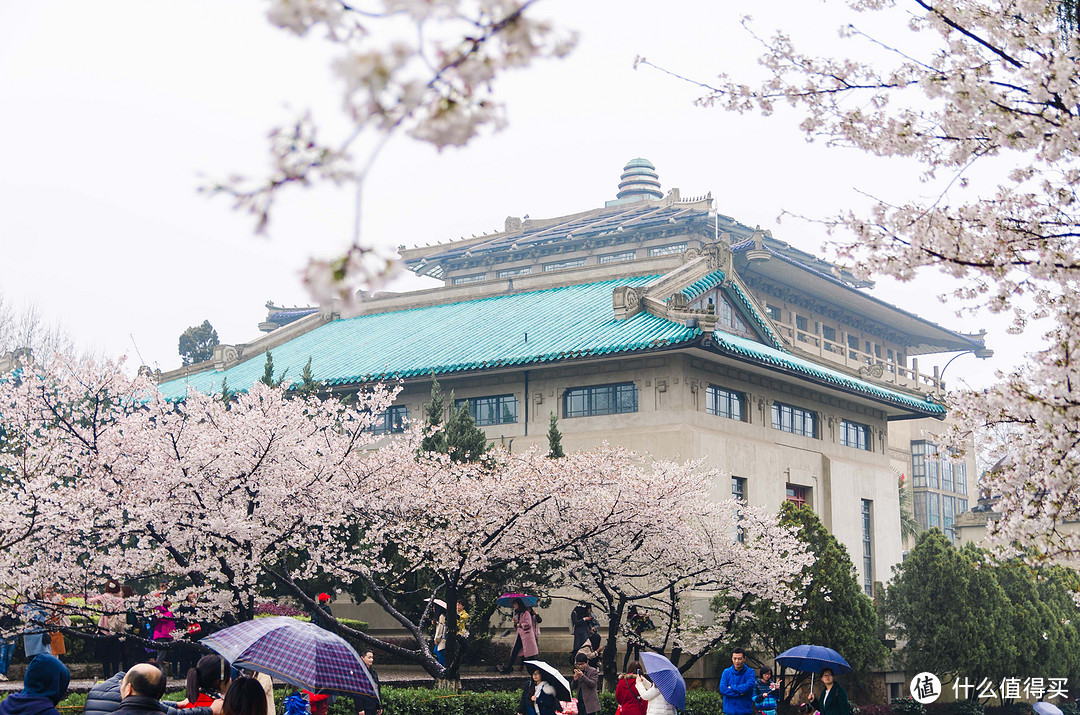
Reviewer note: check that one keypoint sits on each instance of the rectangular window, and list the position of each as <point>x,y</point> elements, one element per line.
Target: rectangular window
<point>474,278</point>
<point>918,464</point>
<point>853,345</point>
<point>853,434</point>
<point>947,482</point>
<point>618,257</point>
<point>961,506</point>
<point>511,272</point>
<point>919,507</point>
<point>802,325</point>
<point>948,513</point>
<point>667,250</point>
<point>738,491</point>
<point>600,400</point>
<point>960,470</point>
<point>868,546</point>
<point>933,467</point>
<point>797,495</point>
<point>773,311</point>
<point>933,510</point>
<point>391,420</point>
<point>877,351</point>
<point>796,420</point>
<point>572,263</point>
<point>497,410</point>
<point>725,403</point>
<point>829,333</point>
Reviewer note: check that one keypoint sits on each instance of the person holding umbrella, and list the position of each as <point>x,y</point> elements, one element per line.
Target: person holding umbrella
<point>538,696</point>
<point>626,694</point>
<point>525,644</point>
<point>833,699</point>
<point>656,704</point>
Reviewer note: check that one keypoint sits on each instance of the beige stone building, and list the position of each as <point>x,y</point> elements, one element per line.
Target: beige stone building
<point>658,323</point>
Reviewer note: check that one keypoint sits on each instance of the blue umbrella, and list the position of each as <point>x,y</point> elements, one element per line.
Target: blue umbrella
<point>301,654</point>
<point>666,677</point>
<point>813,659</point>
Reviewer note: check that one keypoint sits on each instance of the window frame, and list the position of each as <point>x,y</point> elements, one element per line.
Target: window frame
<point>474,408</point>
<point>858,429</point>
<point>778,412</point>
<point>713,403</point>
<point>589,394</point>
<point>391,420</point>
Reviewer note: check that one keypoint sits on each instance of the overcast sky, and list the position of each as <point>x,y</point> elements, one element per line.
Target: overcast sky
<point>112,111</point>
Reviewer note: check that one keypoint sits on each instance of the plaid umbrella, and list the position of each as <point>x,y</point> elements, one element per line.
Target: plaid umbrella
<point>301,654</point>
<point>666,677</point>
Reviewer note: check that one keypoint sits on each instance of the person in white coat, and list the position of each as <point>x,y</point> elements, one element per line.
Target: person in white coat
<point>654,699</point>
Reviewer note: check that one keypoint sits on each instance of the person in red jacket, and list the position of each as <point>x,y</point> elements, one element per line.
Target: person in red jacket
<point>626,695</point>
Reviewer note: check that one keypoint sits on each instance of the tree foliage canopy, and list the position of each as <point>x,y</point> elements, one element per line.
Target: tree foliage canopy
<point>197,343</point>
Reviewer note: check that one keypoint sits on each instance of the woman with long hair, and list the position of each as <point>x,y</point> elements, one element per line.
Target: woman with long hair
<point>525,644</point>
<point>833,699</point>
<point>245,696</point>
<point>538,696</point>
<point>208,681</point>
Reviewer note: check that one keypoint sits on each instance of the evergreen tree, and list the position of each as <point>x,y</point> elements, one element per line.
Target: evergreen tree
<point>953,614</point>
<point>836,612</point>
<point>197,343</point>
<point>435,441</point>
<point>226,393</point>
<point>555,450</point>
<point>268,373</point>
<point>308,384</point>
<point>464,440</point>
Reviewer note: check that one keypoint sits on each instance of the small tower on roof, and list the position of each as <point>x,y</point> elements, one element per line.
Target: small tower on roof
<point>639,182</point>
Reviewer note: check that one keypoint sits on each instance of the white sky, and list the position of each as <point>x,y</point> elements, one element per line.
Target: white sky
<point>112,111</point>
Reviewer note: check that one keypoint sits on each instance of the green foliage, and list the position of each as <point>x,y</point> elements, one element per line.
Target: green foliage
<point>268,378</point>
<point>226,394</point>
<point>308,384</point>
<point>434,409</point>
<point>836,612</point>
<point>955,617</point>
<point>197,343</point>
<point>909,525</point>
<point>555,450</point>
<point>465,441</point>
<point>461,438</point>
<point>428,701</point>
<point>908,706</point>
<point>968,707</point>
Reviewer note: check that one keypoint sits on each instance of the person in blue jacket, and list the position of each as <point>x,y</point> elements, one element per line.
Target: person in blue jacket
<point>737,685</point>
<point>45,685</point>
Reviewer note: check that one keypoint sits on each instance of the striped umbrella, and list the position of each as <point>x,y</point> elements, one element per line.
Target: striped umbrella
<point>299,653</point>
<point>666,677</point>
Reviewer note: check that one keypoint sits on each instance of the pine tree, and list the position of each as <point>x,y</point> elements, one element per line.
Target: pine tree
<point>465,441</point>
<point>555,450</point>
<point>435,441</point>
<point>268,373</point>
<point>226,393</point>
<point>308,384</point>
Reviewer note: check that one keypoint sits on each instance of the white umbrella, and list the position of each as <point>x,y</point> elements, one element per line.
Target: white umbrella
<point>563,691</point>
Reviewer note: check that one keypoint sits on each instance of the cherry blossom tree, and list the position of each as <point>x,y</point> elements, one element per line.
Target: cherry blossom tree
<point>220,498</point>
<point>676,551</point>
<point>985,96</point>
<point>425,68</point>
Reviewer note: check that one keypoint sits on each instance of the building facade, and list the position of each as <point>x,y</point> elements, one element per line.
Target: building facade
<point>659,324</point>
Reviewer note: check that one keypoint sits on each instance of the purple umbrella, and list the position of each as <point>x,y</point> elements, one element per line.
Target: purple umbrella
<point>299,653</point>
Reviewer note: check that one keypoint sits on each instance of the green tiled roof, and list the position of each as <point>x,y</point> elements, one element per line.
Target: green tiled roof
<point>734,289</point>
<point>764,354</point>
<point>500,331</point>
<point>701,285</point>
<point>512,329</point>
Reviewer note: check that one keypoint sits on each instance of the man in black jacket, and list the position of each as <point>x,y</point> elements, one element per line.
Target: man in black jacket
<point>105,699</point>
